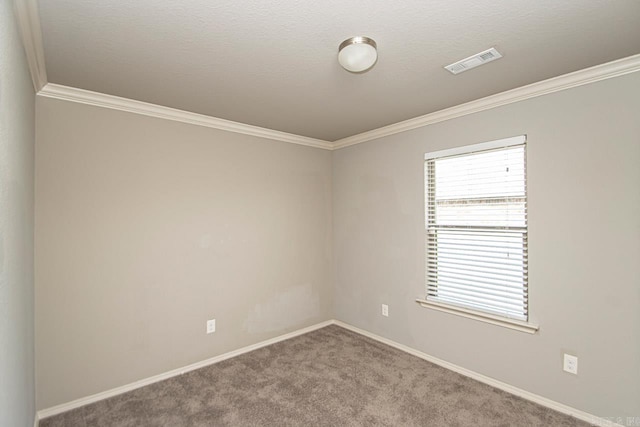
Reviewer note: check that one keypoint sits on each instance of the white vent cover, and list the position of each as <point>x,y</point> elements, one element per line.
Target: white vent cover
<point>474,61</point>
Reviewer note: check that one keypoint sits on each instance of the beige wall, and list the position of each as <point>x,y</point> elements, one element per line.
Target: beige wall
<point>584,269</point>
<point>17,136</point>
<point>146,228</point>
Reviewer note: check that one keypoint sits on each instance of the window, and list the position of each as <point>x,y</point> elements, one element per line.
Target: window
<point>476,230</point>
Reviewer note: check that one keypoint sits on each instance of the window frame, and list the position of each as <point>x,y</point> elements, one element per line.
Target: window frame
<point>467,312</point>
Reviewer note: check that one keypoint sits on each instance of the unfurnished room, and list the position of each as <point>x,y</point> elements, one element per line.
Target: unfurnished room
<point>303,213</point>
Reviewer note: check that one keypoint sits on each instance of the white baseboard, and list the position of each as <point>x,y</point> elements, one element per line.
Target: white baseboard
<point>58,409</point>
<point>560,407</point>
<point>581,415</point>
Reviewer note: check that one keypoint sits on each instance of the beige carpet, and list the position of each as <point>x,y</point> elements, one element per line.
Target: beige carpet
<point>329,377</point>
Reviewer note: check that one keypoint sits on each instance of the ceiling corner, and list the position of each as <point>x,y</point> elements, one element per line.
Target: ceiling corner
<point>87,97</point>
<point>28,18</point>
<point>589,75</point>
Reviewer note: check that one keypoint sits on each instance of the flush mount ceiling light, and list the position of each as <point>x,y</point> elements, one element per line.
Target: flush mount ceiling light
<point>357,54</point>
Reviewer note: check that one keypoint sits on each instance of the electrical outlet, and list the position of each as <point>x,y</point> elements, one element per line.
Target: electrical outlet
<point>211,326</point>
<point>385,310</point>
<point>571,364</point>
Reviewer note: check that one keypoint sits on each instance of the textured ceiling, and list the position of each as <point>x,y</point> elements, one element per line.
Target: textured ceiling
<point>273,63</point>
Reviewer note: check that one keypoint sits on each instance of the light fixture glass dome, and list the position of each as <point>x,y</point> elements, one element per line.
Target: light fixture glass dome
<point>357,54</point>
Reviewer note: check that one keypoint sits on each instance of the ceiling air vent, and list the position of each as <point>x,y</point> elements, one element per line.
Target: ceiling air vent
<point>474,61</point>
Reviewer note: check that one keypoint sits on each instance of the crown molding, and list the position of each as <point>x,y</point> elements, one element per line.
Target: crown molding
<point>28,18</point>
<point>87,97</point>
<point>605,71</point>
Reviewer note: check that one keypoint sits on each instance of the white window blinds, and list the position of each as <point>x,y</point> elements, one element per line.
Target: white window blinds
<point>476,227</point>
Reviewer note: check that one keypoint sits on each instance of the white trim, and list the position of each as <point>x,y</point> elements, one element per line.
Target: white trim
<point>557,406</point>
<point>36,420</point>
<point>609,70</point>
<point>82,96</point>
<point>474,148</point>
<point>55,410</point>
<point>29,22</point>
<point>594,74</point>
<point>44,413</point>
<point>482,317</point>
<point>26,12</point>
<point>482,146</point>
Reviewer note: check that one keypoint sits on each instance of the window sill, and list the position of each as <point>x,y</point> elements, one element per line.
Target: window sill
<point>482,317</point>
